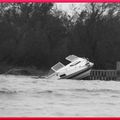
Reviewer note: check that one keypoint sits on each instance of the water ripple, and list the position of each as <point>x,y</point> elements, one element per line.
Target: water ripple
<point>27,96</point>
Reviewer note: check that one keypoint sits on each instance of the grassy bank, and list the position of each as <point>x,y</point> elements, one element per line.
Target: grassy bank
<point>18,70</point>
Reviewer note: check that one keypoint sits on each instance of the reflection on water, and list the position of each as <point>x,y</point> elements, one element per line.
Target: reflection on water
<point>27,96</point>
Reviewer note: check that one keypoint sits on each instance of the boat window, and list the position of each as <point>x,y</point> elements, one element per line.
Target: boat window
<point>75,63</point>
<point>58,66</point>
<point>71,58</point>
<point>63,75</point>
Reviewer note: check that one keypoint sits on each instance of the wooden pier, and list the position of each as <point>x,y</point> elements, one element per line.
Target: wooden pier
<point>106,74</point>
<point>103,75</point>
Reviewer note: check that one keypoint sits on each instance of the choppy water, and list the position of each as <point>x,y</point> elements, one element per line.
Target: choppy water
<point>26,96</point>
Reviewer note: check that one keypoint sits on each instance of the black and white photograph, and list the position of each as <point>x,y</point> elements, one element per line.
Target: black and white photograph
<point>59,59</point>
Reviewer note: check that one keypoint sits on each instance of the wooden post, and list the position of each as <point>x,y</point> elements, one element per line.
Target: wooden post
<point>118,70</point>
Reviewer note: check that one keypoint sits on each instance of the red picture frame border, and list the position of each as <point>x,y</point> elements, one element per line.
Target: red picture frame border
<point>60,118</point>
<point>60,1</point>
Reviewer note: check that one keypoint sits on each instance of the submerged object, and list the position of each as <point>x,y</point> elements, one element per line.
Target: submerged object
<point>78,68</point>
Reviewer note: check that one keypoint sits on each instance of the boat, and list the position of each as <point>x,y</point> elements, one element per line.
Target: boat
<point>78,68</point>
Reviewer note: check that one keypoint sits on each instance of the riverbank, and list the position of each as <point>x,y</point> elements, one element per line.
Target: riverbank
<point>19,70</point>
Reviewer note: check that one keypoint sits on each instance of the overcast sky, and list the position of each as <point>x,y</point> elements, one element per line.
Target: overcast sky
<point>68,7</point>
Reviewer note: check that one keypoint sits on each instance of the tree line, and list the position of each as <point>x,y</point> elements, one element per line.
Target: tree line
<point>35,34</point>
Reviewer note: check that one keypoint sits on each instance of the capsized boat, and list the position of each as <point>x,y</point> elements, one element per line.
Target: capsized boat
<point>78,68</point>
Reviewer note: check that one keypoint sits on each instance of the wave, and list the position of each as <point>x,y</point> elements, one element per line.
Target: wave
<point>95,90</point>
<point>7,91</point>
<point>64,92</point>
<point>56,91</point>
<point>45,91</point>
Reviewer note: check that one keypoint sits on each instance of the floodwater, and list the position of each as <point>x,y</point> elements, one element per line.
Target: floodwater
<point>24,96</point>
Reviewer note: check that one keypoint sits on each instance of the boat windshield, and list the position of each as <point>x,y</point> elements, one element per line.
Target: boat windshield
<point>58,66</point>
<point>71,58</point>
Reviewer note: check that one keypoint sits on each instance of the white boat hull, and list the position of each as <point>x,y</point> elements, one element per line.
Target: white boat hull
<point>81,74</point>
<point>78,75</point>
